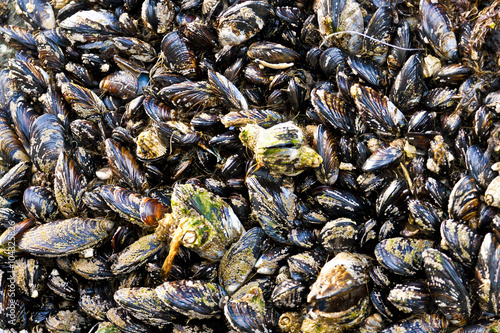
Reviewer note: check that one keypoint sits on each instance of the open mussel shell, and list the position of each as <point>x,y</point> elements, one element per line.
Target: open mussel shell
<point>195,299</point>
<point>402,256</point>
<point>144,304</point>
<point>63,237</point>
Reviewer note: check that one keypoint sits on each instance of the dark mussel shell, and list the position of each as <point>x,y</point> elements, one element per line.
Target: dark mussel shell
<point>125,166</point>
<point>328,171</point>
<point>227,91</point>
<point>378,111</point>
<point>69,186</point>
<point>40,202</point>
<point>144,304</point>
<point>157,15</point>
<point>177,55</point>
<point>464,200</point>
<point>410,297</point>
<point>30,276</point>
<point>136,254</point>
<point>446,284</point>
<point>274,207</point>
<point>437,30</point>
<point>272,55</point>
<point>408,84</point>
<point>132,206</point>
<point>460,241</point>
<point>63,237</point>
<point>11,149</point>
<point>488,276</point>
<point>47,138</point>
<point>195,299</point>
<point>333,110</point>
<point>38,13</point>
<point>338,203</point>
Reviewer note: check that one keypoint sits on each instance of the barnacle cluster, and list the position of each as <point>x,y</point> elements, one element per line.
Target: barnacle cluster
<point>250,166</point>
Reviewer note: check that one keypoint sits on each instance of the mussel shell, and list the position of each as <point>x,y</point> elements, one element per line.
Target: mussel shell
<point>125,166</point>
<point>445,280</point>
<point>240,22</point>
<point>339,235</point>
<point>378,111</point>
<point>437,29</point>
<point>460,241</point>
<point>30,276</point>
<point>272,55</point>
<point>195,299</point>
<point>408,84</point>
<point>288,294</point>
<point>249,313</point>
<point>488,276</point>
<point>93,268</point>
<point>338,203</point>
<point>11,149</point>
<point>47,140</point>
<point>463,203</point>
<point>333,110</point>
<point>63,237</point>
<point>177,54</point>
<point>274,207</point>
<point>69,186</point>
<point>144,304</point>
<point>136,254</point>
<point>306,265</point>
<point>346,273</point>
<point>410,297</point>
<point>238,262</point>
<point>40,202</point>
<point>402,256</point>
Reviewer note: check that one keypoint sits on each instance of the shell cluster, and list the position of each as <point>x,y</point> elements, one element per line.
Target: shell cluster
<point>250,166</point>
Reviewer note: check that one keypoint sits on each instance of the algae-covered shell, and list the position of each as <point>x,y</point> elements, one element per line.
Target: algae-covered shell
<point>281,148</point>
<point>144,304</point>
<point>208,224</point>
<point>136,254</point>
<point>402,256</point>
<point>238,262</point>
<point>64,237</point>
<point>195,299</point>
